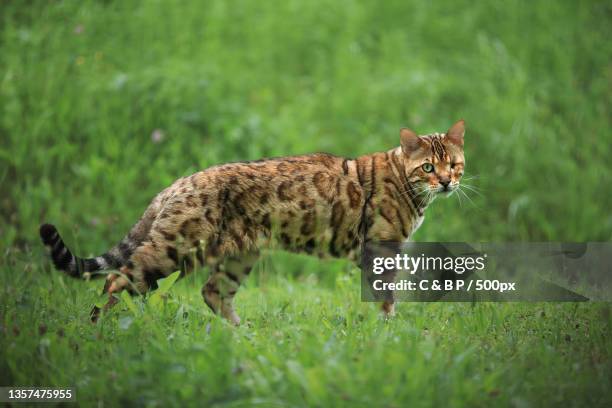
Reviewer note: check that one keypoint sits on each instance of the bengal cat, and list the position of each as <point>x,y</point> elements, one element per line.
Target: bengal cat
<point>319,204</point>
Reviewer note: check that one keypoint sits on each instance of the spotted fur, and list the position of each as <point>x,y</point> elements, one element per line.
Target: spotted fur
<point>317,204</point>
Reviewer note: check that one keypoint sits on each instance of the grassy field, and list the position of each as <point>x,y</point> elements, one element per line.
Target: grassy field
<point>105,103</point>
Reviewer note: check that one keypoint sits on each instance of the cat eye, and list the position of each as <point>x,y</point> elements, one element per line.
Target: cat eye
<point>427,167</point>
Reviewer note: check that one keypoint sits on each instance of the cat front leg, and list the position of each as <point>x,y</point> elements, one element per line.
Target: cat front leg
<point>388,308</point>
<point>381,249</point>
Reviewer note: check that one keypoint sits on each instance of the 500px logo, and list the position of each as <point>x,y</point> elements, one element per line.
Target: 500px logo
<point>424,263</point>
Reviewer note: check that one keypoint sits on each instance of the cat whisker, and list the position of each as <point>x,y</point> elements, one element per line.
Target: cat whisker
<point>468,184</point>
<point>460,190</point>
<point>425,192</point>
<point>417,190</point>
<point>458,198</point>
<point>472,188</point>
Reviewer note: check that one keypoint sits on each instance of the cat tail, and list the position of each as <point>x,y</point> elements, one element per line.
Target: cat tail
<point>65,260</point>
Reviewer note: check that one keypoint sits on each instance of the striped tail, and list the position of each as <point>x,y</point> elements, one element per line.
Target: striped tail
<point>74,266</point>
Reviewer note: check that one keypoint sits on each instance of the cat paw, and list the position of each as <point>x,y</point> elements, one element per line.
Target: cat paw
<point>388,309</point>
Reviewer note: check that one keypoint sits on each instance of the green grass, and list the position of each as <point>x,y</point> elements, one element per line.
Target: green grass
<point>85,84</point>
<point>306,340</point>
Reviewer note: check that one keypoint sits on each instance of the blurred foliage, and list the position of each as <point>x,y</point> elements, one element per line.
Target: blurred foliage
<point>105,103</point>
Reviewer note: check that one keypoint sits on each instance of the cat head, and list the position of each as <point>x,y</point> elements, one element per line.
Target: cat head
<point>434,163</point>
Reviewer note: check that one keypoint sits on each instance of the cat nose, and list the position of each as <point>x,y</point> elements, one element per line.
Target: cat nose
<point>445,183</point>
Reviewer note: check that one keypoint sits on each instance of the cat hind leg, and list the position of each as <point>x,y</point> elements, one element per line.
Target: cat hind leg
<point>224,282</point>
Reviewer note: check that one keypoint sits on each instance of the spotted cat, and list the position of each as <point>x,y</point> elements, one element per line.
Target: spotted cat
<point>318,204</point>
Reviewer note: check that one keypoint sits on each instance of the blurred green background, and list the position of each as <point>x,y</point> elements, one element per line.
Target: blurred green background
<point>105,103</point>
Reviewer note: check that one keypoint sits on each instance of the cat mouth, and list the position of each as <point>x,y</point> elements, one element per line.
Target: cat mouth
<point>446,190</point>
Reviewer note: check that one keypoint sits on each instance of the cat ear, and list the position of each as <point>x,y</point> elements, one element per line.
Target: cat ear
<point>456,132</point>
<point>410,141</point>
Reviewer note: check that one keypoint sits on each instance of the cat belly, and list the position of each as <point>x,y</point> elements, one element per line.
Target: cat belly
<point>315,234</point>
